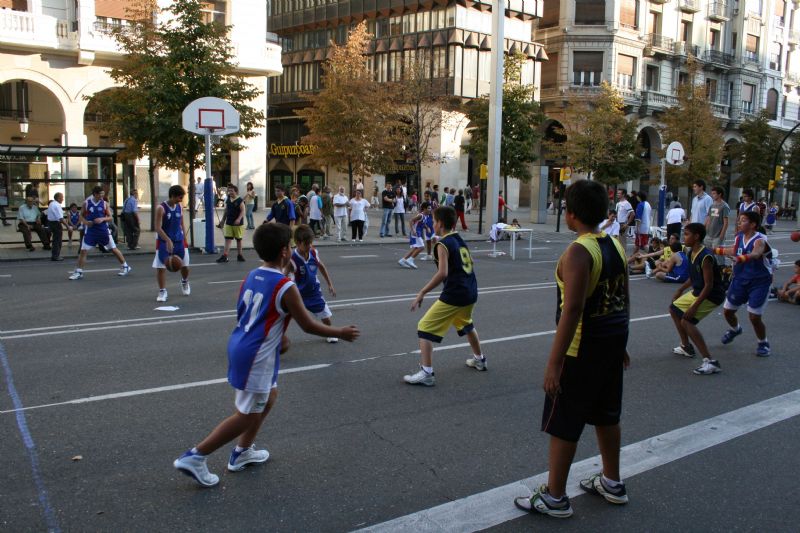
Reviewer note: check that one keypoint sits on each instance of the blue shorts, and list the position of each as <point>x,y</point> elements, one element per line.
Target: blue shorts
<point>92,239</point>
<point>753,292</point>
<point>178,249</point>
<point>671,277</point>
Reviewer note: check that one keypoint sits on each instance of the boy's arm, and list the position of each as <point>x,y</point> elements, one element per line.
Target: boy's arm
<point>441,274</point>
<point>82,216</point>
<point>685,285</point>
<point>293,304</point>
<point>324,272</point>
<point>160,231</point>
<point>241,214</point>
<point>575,269</point>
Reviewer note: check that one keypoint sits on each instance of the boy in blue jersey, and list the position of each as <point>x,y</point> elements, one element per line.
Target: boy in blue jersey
<point>304,266</point>
<point>95,216</point>
<point>752,279</point>
<point>583,376</point>
<point>428,233</point>
<point>417,233</point>
<point>455,303</point>
<point>171,241</point>
<point>267,300</point>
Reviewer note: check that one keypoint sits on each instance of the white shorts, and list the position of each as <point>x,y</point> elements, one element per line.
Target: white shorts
<point>325,313</point>
<point>109,245</point>
<point>418,243</point>
<point>157,263</point>
<point>251,402</point>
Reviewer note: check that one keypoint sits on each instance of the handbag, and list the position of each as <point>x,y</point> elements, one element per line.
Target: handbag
<point>255,203</point>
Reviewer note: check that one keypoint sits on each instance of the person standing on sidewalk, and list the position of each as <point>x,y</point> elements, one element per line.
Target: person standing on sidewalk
<point>130,220</point>
<point>327,212</point>
<point>399,211</point>
<point>250,204</point>
<point>358,215</point>
<point>234,223</point>
<point>460,203</point>
<point>625,215</point>
<point>282,209</point>
<point>701,202</point>
<point>388,201</point>
<point>717,222</point>
<point>56,224</point>
<point>340,202</point>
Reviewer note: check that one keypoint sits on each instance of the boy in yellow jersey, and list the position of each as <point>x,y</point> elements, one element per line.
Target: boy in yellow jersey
<point>455,303</point>
<point>583,376</point>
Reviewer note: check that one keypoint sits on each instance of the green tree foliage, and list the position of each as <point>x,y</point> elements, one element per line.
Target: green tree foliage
<point>755,154</point>
<point>351,120</point>
<point>521,124</point>
<point>692,123</point>
<point>600,140</point>
<point>792,168</point>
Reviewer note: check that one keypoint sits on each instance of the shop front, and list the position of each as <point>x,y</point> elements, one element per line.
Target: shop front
<point>291,166</point>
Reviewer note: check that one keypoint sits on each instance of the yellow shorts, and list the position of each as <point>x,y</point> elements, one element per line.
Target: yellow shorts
<point>685,302</point>
<point>233,232</point>
<point>438,319</point>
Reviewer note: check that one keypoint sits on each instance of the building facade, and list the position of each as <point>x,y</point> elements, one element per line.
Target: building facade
<point>455,37</point>
<point>56,54</point>
<point>746,51</point>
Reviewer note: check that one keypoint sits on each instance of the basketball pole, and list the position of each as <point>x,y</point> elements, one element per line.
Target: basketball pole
<point>208,193</point>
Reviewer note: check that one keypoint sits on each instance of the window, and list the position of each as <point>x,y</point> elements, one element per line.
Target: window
<point>382,28</point>
<point>409,23</point>
<point>651,78</point>
<point>396,26</point>
<point>775,56</point>
<point>734,38</point>
<point>772,104</point>
<point>423,21</point>
<point>550,72</point>
<point>396,66</point>
<point>629,13</point>
<point>748,93</point>
<point>686,31</point>
<point>590,12</point>
<point>214,11</point>
<point>780,12</point>
<point>754,7</point>
<point>6,105</point>
<point>713,40</point>
<point>587,68</point>
<point>654,22</point>
<point>626,66</point>
<point>751,47</point>
<point>550,15</point>
<point>711,89</point>
<point>438,19</point>
<point>683,78</point>
<point>439,60</point>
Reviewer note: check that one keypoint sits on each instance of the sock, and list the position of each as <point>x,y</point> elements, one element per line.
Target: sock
<point>125,264</point>
<point>239,449</point>
<point>762,340</point>
<point>478,356</point>
<point>78,270</point>
<point>552,499</point>
<point>194,451</point>
<point>184,280</point>
<point>611,484</point>
<point>428,369</point>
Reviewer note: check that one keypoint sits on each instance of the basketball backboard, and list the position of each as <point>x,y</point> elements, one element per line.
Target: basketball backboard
<point>209,115</point>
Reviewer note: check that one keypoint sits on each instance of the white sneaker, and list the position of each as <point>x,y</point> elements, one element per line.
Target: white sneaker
<point>332,340</point>
<point>648,272</point>
<point>239,460</point>
<point>124,270</point>
<point>410,262</point>
<point>402,262</point>
<point>186,289</point>
<point>78,274</point>
<point>423,257</point>
<point>195,466</point>
<point>162,295</point>
<point>421,378</point>
<point>709,366</point>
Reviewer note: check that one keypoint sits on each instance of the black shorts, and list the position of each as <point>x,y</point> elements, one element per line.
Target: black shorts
<point>591,389</point>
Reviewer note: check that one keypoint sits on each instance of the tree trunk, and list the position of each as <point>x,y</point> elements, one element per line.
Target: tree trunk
<point>192,207</point>
<point>350,176</point>
<point>505,205</point>
<point>151,172</point>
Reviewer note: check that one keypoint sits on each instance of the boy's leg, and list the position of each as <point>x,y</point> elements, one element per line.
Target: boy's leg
<point>730,318</point>
<point>227,430</point>
<point>239,246</point>
<point>426,352</point>
<point>161,278</point>
<point>608,440</point>
<point>559,460</point>
<point>248,437</point>
<point>758,326</point>
<point>694,333</point>
<point>678,320</point>
<point>474,342</point>
<point>227,246</point>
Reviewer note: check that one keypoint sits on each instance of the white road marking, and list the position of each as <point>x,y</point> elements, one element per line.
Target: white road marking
<point>356,256</point>
<point>5,275</point>
<point>495,506</point>
<point>539,262</point>
<point>117,268</point>
<point>293,370</point>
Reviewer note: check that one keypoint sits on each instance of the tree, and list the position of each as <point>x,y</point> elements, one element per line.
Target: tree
<point>169,62</point>
<point>692,123</point>
<point>600,140</point>
<point>754,155</point>
<point>521,124</point>
<point>351,119</point>
<point>792,167</point>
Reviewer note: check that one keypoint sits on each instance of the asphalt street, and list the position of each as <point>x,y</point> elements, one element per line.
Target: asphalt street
<point>102,391</point>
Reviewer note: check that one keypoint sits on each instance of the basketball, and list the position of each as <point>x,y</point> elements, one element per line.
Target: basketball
<point>796,236</point>
<point>173,263</point>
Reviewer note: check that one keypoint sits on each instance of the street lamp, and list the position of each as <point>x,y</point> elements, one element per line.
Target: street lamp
<point>23,121</point>
<point>23,126</point>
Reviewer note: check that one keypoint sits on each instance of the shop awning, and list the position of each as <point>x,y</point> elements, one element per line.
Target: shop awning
<point>63,151</point>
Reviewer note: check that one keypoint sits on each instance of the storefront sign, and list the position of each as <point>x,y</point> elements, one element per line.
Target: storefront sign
<point>291,150</point>
<point>402,167</point>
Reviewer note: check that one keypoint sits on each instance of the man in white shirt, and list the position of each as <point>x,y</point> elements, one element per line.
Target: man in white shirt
<point>675,218</point>
<point>701,202</point>
<point>340,202</point>
<point>56,222</point>
<point>624,216</point>
<point>643,213</point>
<point>315,210</point>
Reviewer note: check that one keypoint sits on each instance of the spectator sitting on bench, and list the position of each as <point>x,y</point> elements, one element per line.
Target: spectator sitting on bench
<point>30,218</point>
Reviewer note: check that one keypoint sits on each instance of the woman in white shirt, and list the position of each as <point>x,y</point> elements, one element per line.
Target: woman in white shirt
<point>675,218</point>
<point>399,212</point>
<point>358,215</point>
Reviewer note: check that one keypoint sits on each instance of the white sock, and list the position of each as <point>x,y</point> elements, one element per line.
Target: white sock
<point>478,356</point>
<point>195,452</point>
<point>610,483</point>
<point>184,280</point>
<point>762,340</point>
<point>428,369</point>
<point>239,449</point>
<point>125,264</point>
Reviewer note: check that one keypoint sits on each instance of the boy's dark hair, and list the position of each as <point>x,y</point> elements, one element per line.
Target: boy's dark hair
<point>753,216</point>
<point>797,263</point>
<point>623,191</point>
<point>270,239</point>
<point>587,201</point>
<point>642,196</point>
<point>676,247</point>
<point>655,240</point>
<point>612,211</point>
<point>748,192</point>
<point>176,191</point>
<point>696,228</point>
<point>303,234</point>
<point>700,183</point>
<point>234,187</point>
<point>73,204</point>
<point>677,237</point>
<point>446,215</point>
<point>719,190</point>
<point>279,187</point>
<point>97,189</point>
<point>424,205</point>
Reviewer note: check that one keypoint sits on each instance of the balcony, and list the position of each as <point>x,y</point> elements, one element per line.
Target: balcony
<point>718,11</point>
<point>686,49</point>
<point>656,102</point>
<point>658,44</point>
<point>719,110</point>
<point>751,57</point>
<point>659,1</point>
<point>794,37</point>
<point>689,6</point>
<point>715,57</point>
<point>23,30</point>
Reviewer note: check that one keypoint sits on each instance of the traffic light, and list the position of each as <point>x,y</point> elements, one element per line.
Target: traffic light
<point>484,171</point>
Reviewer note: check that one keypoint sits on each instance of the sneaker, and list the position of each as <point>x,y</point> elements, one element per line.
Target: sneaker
<point>195,466</point>
<point>421,378</point>
<point>240,258</point>
<point>538,503</point>
<point>186,289</point>
<point>78,274</point>
<point>423,257</point>
<point>763,349</point>
<point>648,271</point>
<point>686,351</point>
<point>222,259</point>
<point>596,485</point>
<point>731,334</point>
<point>332,340</point>
<point>124,270</point>
<point>477,364</point>
<point>162,295</point>
<point>709,366</point>
<point>239,460</point>
<point>412,264</point>
<point>359,240</point>
<point>403,263</point>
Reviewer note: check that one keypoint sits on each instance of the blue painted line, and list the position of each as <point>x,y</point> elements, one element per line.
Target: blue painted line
<point>30,446</point>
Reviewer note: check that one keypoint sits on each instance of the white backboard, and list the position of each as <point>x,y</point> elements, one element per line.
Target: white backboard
<point>210,115</point>
<point>675,153</point>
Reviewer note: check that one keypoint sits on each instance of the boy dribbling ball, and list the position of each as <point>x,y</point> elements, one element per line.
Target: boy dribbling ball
<point>171,243</point>
<point>267,300</point>
<point>455,303</point>
<point>304,266</point>
<point>417,239</point>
